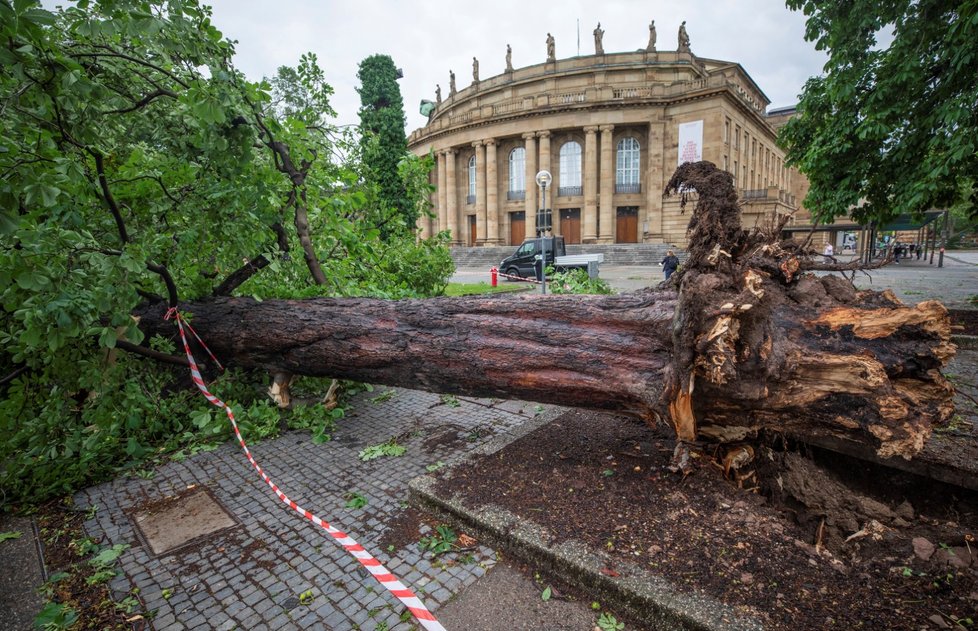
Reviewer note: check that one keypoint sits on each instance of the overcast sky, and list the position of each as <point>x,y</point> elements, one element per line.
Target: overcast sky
<point>428,38</point>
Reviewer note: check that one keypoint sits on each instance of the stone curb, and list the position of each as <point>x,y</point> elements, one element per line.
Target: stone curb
<point>636,591</point>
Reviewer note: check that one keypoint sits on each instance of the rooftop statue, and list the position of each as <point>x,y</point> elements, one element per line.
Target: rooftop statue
<point>683,38</point>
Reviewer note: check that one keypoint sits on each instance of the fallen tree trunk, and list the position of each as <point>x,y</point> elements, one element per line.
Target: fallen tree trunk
<point>742,340</point>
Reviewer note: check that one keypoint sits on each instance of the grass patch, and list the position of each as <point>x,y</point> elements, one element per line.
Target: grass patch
<point>469,289</point>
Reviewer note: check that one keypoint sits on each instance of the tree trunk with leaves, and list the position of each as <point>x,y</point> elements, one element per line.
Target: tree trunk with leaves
<point>742,338</point>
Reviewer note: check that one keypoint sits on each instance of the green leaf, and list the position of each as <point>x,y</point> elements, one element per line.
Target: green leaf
<point>108,556</point>
<point>547,593</point>
<point>55,616</point>
<point>39,16</point>
<point>108,338</point>
<point>10,534</point>
<point>32,279</point>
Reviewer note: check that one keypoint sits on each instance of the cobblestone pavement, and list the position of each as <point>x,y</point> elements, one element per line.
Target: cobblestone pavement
<point>251,576</point>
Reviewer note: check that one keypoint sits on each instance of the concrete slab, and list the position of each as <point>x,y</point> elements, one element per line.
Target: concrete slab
<point>170,525</point>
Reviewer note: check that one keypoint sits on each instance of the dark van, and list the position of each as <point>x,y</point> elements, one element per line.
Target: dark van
<point>523,261</point>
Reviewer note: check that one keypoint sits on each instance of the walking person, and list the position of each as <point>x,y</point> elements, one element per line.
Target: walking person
<point>669,263</point>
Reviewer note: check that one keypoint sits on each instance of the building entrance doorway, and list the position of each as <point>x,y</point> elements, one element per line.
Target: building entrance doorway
<point>570,224</point>
<point>626,230</point>
<point>517,228</point>
<point>472,232</point>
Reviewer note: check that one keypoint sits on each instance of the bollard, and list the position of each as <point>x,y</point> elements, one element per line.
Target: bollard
<point>493,276</point>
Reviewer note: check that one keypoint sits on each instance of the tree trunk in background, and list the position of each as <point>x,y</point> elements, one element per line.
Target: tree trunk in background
<point>740,339</point>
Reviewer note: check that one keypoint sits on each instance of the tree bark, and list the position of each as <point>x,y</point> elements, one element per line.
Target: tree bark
<point>867,368</point>
<point>607,352</point>
<point>739,340</point>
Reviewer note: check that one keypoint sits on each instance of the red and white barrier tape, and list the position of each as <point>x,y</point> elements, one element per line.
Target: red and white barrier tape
<point>376,569</point>
<point>525,280</point>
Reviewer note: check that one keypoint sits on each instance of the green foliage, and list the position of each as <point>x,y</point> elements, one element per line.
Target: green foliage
<point>131,148</point>
<point>108,556</point>
<point>608,622</point>
<point>302,93</point>
<point>576,281</point>
<point>102,564</point>
<point>10,534</point>
<point>55,617</point>
<point>382,131</point>
<point>888,128</point>
<point>384,397</point>
<point>355,500</point>
<point>450,400</point>
<point>390,448</point>
<point>442,541</point>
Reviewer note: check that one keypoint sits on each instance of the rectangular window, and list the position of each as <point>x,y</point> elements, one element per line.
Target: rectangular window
<point>628,166</point>
<point>726,131</point>
<point>570,169</point>
<point>737,138</point>
<point>517,173</point>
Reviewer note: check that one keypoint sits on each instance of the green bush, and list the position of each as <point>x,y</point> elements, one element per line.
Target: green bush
<point>576,281</point>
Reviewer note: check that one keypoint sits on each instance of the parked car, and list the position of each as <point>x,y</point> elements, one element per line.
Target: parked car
<point>523,262</point>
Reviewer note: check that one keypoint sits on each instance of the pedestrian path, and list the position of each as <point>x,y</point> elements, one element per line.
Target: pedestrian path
<point>275,570</point>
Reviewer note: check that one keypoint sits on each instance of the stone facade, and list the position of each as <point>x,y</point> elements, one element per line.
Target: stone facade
<point>607,127</point>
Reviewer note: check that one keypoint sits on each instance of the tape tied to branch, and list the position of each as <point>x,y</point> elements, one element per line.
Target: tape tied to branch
<point>372,565</point>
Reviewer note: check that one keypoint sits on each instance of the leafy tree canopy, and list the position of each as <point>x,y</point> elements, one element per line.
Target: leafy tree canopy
<point>892,128</point>
<point>138,164</point>
<point>382,132</point>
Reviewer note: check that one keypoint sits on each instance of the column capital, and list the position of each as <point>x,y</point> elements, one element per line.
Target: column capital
<point>605,128</point>
<point>529,135</point>
<point>591,129</point>
<point>448,152</point>
<point>489,142</point>
<point>543,134</point>
<point>477,144</point>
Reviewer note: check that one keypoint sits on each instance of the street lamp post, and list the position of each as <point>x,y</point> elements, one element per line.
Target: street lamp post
<point>543,181</point>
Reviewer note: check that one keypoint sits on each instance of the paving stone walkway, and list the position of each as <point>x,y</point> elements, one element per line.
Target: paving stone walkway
<point>251,576</point>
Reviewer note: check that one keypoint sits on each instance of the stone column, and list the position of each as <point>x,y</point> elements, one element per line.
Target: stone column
<point>442,220</point>
<point>590,186</point>
<point>492,194</point>
<point>655,150</point>
<point>531,185</point>
<point>545,166</point>
<point>480,192</point>
<point>454,217</point>
<point>607,223</point>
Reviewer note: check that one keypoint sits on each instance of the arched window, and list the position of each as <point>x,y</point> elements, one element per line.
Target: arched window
<point>628,166</point>
<point>517,174</point>
<point>570,169</point>
<point>471,198</point>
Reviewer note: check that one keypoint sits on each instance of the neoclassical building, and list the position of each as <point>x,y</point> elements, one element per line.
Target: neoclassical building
<point>611,128</point>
